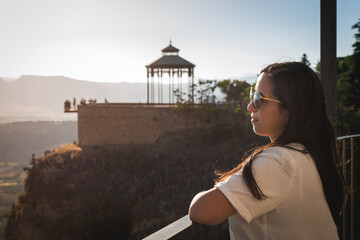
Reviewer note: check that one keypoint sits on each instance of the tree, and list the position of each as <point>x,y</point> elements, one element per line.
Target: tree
<point>304,59</point>
<point>318,68</point>
<point>356,45</point>
<point>236,92</point>
<point>348,88</point>
<point>355,76</point>
<point>206,91</point>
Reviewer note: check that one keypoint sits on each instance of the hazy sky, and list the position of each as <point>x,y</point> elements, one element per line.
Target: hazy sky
<point>113,40</point>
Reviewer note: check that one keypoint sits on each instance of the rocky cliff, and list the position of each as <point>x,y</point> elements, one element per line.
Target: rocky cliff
<point>122,191</point>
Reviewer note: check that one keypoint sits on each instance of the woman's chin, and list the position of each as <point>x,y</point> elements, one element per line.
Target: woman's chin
<point>258,132</point>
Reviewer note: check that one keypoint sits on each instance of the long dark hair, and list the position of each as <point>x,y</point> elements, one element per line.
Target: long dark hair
<point>299,89</point>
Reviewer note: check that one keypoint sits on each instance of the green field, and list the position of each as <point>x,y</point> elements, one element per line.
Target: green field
<point>11,184</point>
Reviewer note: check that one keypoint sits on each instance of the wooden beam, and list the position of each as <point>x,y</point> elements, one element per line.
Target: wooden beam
<point>328,56</point>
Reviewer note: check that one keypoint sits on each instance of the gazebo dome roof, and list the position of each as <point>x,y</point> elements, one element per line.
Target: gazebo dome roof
<point>170,59</point>
<point>170,62</point>
<point>170,48</point>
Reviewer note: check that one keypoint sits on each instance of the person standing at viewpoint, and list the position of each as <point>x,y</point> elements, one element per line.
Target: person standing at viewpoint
<point>292,187</point>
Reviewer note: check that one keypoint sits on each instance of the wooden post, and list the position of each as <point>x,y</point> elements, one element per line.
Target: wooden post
<point>328,56</point>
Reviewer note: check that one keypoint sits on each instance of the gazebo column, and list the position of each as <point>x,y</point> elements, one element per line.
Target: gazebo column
<point>189,88</point>
<point>161,73</point>
<point>158,87</point>
<point>192,82</point>
<point>152,86</point>
<point>180,80</point>
<point>172,90</point>
<point>147,70</point>
<point>169,88</point>
<point>191,78</point>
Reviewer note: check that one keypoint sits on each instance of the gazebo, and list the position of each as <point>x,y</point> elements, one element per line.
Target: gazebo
<point>170,62</point>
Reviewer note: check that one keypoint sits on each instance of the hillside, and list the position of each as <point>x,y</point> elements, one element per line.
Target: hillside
<point>119,192</point>
<point>18,141</point>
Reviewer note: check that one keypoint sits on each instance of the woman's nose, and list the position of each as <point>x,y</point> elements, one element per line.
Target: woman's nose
<point>250,107</point>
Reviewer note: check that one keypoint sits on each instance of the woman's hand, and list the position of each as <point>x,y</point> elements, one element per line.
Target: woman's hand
<point>210,207</point>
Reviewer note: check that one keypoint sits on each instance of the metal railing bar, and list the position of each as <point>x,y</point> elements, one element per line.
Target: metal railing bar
<point>352,188</point>
<point>344,174</point>
<point>348,136</point>
<point>352,166</point>
<point>171,229</point>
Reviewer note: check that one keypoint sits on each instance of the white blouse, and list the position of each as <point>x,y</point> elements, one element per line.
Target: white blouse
<point>295,207</point>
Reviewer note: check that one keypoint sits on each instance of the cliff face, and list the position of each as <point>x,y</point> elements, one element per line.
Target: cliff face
<point>122,191</point>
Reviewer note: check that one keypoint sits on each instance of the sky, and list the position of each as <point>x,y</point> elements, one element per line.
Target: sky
<point>113,40</point>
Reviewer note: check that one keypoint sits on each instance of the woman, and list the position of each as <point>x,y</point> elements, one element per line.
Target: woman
<point>291,188</point>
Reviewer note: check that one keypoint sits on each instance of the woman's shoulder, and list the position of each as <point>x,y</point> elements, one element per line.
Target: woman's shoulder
<point>286,156</point>
<point>285,149</point>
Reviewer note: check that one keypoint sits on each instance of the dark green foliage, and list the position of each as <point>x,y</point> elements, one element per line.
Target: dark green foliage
<point>236,92</point>
<point>348,89</point>
<point>348,85</point>
<point>236,99</point>
<point>348,95</point>
<point>205,91</point>
<point>356,45</point>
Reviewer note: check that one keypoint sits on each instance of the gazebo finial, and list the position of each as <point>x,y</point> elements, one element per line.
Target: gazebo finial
<point>170,41</point>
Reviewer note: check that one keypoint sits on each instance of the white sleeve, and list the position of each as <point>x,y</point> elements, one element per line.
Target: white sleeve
<point>272,172</point>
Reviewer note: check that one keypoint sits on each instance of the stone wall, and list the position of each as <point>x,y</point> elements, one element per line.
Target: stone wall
<point>117,123</point>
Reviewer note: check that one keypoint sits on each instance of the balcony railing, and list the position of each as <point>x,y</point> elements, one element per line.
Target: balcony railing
<point>184,228</point>
<point>348,156</point>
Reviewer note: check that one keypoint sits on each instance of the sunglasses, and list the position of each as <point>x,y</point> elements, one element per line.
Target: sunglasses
<point>256,99</point>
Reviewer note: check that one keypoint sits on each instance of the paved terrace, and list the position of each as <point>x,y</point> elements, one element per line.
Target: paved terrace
<point>126,105</point>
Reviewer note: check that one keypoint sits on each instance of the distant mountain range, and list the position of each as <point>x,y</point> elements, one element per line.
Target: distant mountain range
<point>34,98</point>
<point>42,98</point>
